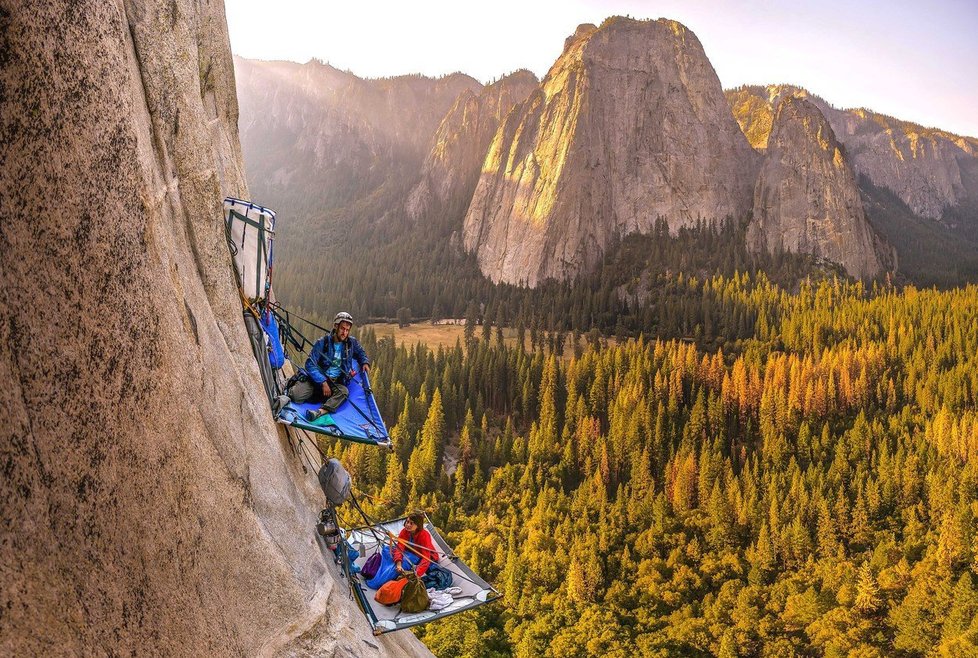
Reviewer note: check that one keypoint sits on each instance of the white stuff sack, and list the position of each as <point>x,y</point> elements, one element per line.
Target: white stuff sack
<point>251,229</point>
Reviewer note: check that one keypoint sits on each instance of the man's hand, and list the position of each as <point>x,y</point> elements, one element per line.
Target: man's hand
<point>327,391</point>
<point>366,368</point>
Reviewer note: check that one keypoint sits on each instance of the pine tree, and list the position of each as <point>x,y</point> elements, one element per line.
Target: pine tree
<point>964,609</point>
<point>868,598</point>
<point>721,529</point>
<point>762,556</point>
<point>826,538</point>
<point>393,491</point>
<point>424,466</point>
<point>543,436</point>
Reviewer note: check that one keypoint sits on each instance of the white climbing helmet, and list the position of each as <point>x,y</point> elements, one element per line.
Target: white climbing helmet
<point>342,316</point>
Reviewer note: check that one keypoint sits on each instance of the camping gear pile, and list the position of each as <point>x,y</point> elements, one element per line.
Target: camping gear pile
<point>449,585</point>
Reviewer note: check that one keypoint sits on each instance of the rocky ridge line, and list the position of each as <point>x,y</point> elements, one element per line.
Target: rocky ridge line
<point>458,147</point>
<point>929,169</point>
<point>317,138</point>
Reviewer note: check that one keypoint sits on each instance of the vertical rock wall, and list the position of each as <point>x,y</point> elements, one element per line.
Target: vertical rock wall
<point>629,125</point>
<point>806,199</point>
<point>451,169</point>
<point>149,503</point>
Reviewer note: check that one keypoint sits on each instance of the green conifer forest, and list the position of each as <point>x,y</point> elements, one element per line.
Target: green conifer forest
<point>807,488</point>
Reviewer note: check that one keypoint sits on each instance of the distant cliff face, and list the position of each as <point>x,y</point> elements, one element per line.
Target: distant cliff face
<point>458,147</point>
<point>806,199</point>
<point>149,503</point>
<point>316,138</point>
<point>929,169</point>
<point>630,124</point>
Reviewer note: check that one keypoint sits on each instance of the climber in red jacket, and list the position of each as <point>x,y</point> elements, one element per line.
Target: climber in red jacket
<point>414,540</point>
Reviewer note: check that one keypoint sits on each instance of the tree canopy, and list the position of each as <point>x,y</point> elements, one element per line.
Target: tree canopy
<point>807,488</point>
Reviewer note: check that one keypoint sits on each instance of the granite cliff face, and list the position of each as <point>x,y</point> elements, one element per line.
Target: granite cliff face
<point>630,124</point>
<point>806,199</point>
<point>929,169</point>
<point>458,147</point>
<point>150,504</point>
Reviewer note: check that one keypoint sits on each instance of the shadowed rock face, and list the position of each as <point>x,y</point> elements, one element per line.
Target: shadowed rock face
<point>317,138</point>
<point>629,124</point>
<point>149,504</point>
<point>927,168</point>
<point>806,199</point>
<point>458,147</point>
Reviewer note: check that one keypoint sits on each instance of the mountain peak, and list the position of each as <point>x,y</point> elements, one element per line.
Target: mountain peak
<point>794,112</point>
<point>583,31</point>
<point>612,29</point>
<point>631,126</point>
<point>518,76</point>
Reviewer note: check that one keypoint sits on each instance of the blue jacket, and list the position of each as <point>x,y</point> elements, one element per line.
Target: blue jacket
<point>318,362</point>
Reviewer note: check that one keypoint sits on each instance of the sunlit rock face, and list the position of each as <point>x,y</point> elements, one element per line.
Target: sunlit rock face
<point>458,147</point>
<point>630,124</point>
<point>150,506</point>
<point>928,169</point>
<point>806,199</point>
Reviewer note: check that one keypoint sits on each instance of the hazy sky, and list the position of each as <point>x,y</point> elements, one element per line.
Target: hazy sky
<point>914,60</point>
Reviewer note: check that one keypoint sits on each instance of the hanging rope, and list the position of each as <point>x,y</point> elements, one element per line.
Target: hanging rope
<point>370,524</point>
<point>291,335</point>
<point>345,560</point>
<point>315,444</point>
<point>278,308</point>
<point>364,494</point>
<point>309,456</point>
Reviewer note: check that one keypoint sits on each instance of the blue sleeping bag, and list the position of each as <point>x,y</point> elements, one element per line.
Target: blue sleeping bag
<point>387,570</point>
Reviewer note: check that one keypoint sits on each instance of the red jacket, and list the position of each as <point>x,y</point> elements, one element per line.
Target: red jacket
<point>419,544</point>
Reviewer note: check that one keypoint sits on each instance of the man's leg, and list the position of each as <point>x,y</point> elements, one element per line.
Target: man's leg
<point>302,391</point>
<point>339,396</point>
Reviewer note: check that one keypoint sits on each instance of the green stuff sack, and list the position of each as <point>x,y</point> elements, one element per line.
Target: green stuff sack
<point>415,596</point>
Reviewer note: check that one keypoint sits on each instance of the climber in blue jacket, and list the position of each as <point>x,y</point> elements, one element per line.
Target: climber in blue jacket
<point>329,367</point>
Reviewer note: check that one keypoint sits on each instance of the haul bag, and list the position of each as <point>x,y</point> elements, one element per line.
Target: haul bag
<point>250,230</point>
<point>335,481</point>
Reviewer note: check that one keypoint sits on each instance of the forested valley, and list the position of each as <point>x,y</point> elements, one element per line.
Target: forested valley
<point>803,486</point>
<point>694,448</point>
